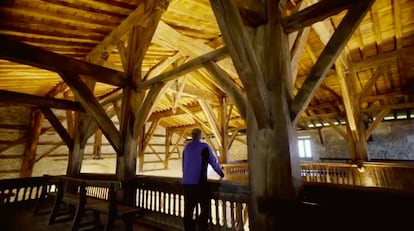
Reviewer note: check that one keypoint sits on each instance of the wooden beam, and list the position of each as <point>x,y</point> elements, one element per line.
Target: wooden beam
<point>378,119</point>
<point>141,114</point>
<point>140,16</point>
<point>92,106</point>
<point>315,13</point>
<point>331,51</point>
<point>19,52</point>
<point>195,117</point>
<point>64,135</point>
<point>133,113</point>
<point>229,87</point>
<point>184,68</point>
<point>337,128</point>
<point>368,87</point>
<point>22,98</point>
<point>243,56</point>
<point>212,120</point>
<point>296,54</point>
<point>253,12</point>
<point>161,66</point>
<point>69,117</point>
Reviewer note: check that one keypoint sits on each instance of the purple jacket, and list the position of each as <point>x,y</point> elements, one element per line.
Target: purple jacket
<point>196,157</point>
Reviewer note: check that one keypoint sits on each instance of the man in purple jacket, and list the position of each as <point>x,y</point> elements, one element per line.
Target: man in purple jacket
<point>196,157</point>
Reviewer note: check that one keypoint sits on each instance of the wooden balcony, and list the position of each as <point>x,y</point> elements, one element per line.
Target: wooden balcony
<point>333,195</point>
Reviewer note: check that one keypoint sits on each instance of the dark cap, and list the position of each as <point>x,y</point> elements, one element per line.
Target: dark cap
<point>196,134</point>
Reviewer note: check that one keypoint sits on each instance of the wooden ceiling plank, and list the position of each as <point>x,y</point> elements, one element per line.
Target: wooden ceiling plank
<point>168,113</point>
<point>244,57</point>
<point>92,106</point>
<point>64,135</point>
<point>22,98</point>
<point>88,7</point>
<point>23,53</point>
<point>330,53</point>
<point>387,57</point>
<point>62,18</point>
<point>315,13</point>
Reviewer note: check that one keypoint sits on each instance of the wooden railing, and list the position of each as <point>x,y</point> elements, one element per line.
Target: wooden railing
<point>23,189</point>
<point>377,174</point>
<point>163,198</point>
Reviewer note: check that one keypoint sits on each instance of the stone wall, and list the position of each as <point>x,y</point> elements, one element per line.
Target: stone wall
<point>390,141</point>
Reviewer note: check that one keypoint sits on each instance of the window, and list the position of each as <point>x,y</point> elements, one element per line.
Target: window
<point>304,144</point>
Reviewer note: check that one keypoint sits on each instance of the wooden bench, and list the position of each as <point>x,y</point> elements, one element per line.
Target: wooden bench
<point>73,191</point>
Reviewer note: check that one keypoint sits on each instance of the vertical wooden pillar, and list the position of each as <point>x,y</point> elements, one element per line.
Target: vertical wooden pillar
<point>132,101</point>
<point>273,154</point>
<point>355,125</point>
<point>85,124</point>
<point>265,71</point>
<point>30,150</point>
<point>97,145</point>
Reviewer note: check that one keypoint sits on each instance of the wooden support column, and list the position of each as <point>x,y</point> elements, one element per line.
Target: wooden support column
<point>272,142</point>
<point>84,124</point>
<point>97,145</point>
<point>132,121</point>
<point>30,150</point>
<point>355,126</point>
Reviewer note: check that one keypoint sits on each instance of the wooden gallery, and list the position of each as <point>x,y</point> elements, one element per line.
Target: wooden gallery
<point>308,106</point>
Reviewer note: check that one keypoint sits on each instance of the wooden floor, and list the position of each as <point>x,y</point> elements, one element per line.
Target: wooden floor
<point>20,218</point>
